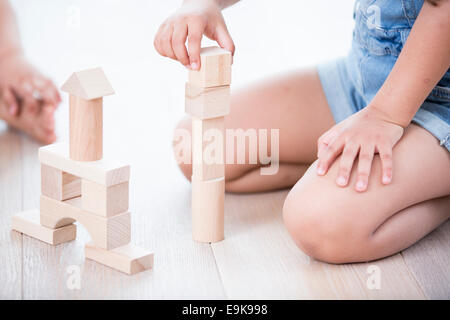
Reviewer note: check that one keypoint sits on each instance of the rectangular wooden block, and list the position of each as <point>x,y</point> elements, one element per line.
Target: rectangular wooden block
<point>215,69</point>
<point>59,185</point>
<point>102,200</point>
<point>28,222</point>
<point>128,259</point>
<point>106,233</point>
<point>207,103</point>
<point>104,171</point>
<point>208,199</point>
<point>208,151</point>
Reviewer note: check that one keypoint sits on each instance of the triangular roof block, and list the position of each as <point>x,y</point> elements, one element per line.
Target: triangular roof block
<point>88,84</point>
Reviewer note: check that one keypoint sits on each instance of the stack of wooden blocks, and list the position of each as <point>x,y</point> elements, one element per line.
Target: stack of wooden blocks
<point>77,184</point>
<point>208,102</point>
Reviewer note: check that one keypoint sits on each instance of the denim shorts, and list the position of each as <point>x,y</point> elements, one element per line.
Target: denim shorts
<point>381,30</point>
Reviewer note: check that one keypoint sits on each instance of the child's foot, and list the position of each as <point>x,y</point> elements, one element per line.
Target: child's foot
<point>27,99</point>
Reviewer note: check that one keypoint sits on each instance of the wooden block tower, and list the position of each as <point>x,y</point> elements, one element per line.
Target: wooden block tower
<point>77,184</point>
<point>208,101</point>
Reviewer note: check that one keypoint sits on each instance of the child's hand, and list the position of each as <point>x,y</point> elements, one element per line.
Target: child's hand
<point>191,21</point>
<point>23,88</point>
<point>365,133</point>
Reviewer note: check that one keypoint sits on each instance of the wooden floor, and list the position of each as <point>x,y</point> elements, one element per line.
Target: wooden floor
<point>256,260</point>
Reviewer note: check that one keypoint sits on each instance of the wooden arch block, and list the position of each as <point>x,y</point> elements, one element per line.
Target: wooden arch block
<point>106,233</point>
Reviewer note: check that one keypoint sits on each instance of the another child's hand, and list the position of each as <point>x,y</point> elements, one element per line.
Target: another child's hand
<point>364,134</point>
<point>191,21</point>
<point>23,88</point>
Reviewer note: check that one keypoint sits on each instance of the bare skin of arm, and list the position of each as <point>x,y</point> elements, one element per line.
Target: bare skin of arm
<point>378,127</point>
<point>27,98</point>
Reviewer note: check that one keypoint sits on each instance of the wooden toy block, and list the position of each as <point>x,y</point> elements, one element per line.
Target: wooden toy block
<point>128,258</point>
<point>208,209</point>
<point>215,69</point>
<point>106,233</point>
<point>102,200</point>
<point>207,103</point>
<point>106,172</point>
<point>28,222</point>
<point>208,139</point>
<point>59,185</point>
<point>88,84</point>
<point>86,129</point>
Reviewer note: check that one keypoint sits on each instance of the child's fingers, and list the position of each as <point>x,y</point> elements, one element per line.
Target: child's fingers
<point>10,102</point>
<point>366,154</point>
<point>346,163</point>
<point>224,39</point>
<point>163,41</point>
<point>178,43</point>
<point>329,155</point>
<point>195,33</point>
<point>324,140</point>
<point>386,163</point>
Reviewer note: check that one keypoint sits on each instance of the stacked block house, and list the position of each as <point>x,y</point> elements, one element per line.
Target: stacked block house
<point>208,102</point>
<point>78,184</point>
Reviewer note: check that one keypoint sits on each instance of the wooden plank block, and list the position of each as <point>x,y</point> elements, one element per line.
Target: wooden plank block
<point>208,140</point>
<point>106,233</point>
<point>104,171</point>
<point>208,209</point>
<point>207,103</point>
<point>215,69</point>
<point>28,222</point>
<point>59,185</point>
<point>86,129</point>
<point>102,200</point>
<point>88,84</point>
<point>128,258</point>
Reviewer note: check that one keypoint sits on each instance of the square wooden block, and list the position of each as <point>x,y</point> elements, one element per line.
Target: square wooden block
<point>59,185</point>
<point>208,148</point>
<point>102,200</point>
<point>215,69</point>
<point>207,103</point>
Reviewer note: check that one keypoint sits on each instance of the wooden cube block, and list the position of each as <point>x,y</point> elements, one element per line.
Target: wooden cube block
<point>105,171</point>
<point>208,209</point>
<point>128,259</point>
<point>215,69</point>
<point>106,233</point>
<point>59,185</point>
<point>208,140</point>
<point>207,103</point>
<point>102,200</point>
<point>28,222</point>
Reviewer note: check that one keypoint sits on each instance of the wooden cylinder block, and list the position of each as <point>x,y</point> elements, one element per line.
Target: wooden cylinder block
<point>208,209</point>
<point>86,129</point>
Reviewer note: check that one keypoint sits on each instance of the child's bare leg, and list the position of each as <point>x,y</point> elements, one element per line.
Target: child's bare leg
<point>340,225</point>
<point>295,104</point>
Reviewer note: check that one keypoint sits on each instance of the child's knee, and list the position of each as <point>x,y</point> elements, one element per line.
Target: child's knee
<point>323,228</point>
